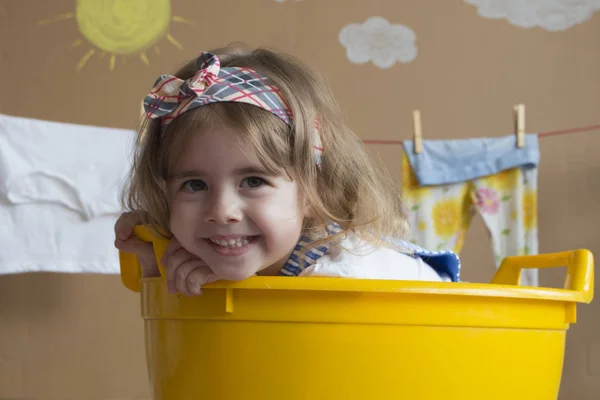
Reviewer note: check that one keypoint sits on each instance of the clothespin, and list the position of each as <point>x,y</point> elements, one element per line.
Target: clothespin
<point>417,134</point>
<point>519,111</point>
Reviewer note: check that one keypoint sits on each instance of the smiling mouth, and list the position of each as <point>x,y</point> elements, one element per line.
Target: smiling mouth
<point>233,243</point>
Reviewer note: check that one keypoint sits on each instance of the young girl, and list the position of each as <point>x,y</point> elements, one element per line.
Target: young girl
<point>245,160</point>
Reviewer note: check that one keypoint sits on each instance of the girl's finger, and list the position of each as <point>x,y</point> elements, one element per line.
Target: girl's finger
<point>173,261</point>
<point>144,252</point>
<point>181,275</point>
<point>198,278</point>
<point>134,245</point>
<point>125,224</point>
<point>172,247</point>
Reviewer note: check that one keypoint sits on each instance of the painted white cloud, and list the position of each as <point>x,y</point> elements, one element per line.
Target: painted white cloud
<point>552,15</point>
<point>378,41</point>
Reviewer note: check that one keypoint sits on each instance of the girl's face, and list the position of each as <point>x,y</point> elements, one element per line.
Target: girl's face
<point>227,210</point>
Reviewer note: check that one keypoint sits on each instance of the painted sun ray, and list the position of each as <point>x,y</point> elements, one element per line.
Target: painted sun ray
<point>59,17</point>
<point>84,59</point>
<point>177,18</point>
<point>144,58</point>
<point>174,41</point>
<point>112,62</point>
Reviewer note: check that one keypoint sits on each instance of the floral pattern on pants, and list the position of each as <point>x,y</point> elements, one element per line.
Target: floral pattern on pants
<point>439,216</point>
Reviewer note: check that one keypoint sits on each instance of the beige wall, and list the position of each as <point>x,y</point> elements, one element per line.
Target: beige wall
<point>468,73</point>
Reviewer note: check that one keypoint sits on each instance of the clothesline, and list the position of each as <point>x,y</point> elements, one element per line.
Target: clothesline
<point>541,134</point>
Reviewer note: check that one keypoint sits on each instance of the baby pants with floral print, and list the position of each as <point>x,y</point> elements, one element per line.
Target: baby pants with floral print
<point>440,206</point>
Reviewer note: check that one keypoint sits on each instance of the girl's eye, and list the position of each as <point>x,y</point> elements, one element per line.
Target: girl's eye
<point>194,185</point>
<point>253,182</point>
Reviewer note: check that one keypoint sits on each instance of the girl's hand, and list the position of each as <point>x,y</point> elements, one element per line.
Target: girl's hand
<point>126,242</point>
<point>186,273</point>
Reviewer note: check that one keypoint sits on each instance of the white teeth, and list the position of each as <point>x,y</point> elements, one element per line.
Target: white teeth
<point>237,242</point>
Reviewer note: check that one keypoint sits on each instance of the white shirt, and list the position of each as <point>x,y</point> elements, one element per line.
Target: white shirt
<point>353,258</point>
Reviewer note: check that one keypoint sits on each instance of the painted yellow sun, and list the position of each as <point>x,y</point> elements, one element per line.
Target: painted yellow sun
<point>121,27</point>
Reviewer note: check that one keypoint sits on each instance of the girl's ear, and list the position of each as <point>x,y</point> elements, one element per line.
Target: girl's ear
<point>307,210</point>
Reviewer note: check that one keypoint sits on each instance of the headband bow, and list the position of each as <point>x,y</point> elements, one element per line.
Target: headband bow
<point>170,97</point>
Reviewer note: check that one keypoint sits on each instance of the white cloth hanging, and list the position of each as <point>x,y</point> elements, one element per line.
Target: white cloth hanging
<point>59,195</point>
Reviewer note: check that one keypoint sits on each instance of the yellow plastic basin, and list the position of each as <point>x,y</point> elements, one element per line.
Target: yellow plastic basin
<point>328,338</point>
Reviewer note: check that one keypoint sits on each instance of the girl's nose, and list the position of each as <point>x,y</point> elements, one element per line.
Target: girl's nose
<point>224,208</point>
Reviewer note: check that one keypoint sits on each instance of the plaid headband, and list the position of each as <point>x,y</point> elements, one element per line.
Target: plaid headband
<point>170,97</point>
